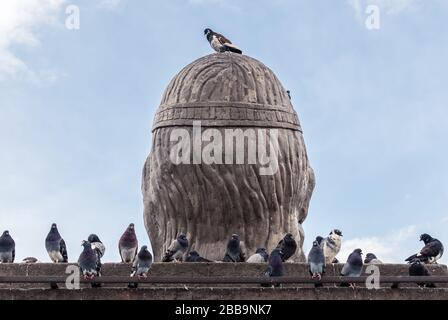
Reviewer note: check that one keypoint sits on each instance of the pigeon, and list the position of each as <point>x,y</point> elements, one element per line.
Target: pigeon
<point>177,249</point>
<point>332,245</point>
<point>7,248</point>
<point>288,246</point>
<point>316,262</point>
<point>260,256</point>
<point>431,252</point>
<point>320,240</point>
<point>89,263</point>
<point>55,245</point>
<point>275,265</point>
<point>194,256</point>
<point>141,265</point>
<point>372,259</point>
<point>417,268</point>
<point>235,250</point>
<point>289,94</point>
<point>30,260</point>
<point>353,267</point>
<point>219,43</point>
<point>97,245</point>
<point>128,245</point>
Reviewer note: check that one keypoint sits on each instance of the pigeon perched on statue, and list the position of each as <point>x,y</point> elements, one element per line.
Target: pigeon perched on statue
<point>128,245</point>
<point>353,267</point>
<point>316,262</point>
<point>176,250</point>
<point>97,245</point>
<point>7,248</point>
<point>194,256</point>
<point>89,263</point>
<point>372,259</point>
<point>417,268</point>
<point>235,250</point>
<point>431,252</point>
<point>55,245</point>
<point>287,246</point>
<point>332,245</point>
<point>141,265</point>
<point>275,265</point>
<point>260,256</point>
<point>219,43</point>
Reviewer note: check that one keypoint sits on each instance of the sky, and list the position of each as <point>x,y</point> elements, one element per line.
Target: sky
<point>76,109</point>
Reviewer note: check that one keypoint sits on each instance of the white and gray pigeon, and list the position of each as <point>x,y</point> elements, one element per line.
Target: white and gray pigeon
<point>7,248</point>
<point>353,267</point>
<point>128,245</point>
<point>97,245</point>
<point>430,253</point>
<point>141,265</point>
<point>219,43</point>
<point>288,246</point>
<point>332,245</point>
<point>89,263</point>
<point>55,246</point>
<point>316,262</point>
<point>177,249</point>
<point>260,256</point>
<point>372,259</point>
<point>235,251</point>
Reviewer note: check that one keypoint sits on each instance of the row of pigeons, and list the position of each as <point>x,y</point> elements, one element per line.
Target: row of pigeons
<point>322,253</point>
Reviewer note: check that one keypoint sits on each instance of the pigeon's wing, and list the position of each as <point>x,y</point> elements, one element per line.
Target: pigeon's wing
<point>346,269</point>
<point>174,247</point>
<point>432,249</point>
<point>222,39</point>
<point>63,250</point>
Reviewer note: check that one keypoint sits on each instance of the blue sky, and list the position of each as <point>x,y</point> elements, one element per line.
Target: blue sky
<point>76,108</point>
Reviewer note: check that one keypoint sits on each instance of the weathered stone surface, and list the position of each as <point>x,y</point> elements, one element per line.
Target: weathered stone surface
<point>209,202</point>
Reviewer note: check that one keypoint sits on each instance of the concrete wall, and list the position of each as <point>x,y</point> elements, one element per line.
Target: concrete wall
<point>150,291</point>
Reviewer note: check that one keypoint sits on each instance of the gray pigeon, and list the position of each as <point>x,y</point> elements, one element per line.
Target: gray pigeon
<point>288,246</point>
<point>128,245</point>
<point>417,268</point>
<point>177,249</point>
<point>141,265</point>
<point>235,250</point>
<point>353,267</point>
<point>97,245</point>
<point>30,260</point>
<point>275,265</point>
<point>316,262</point>
<point>89,263</point>
<point>7,248</point>
<point>431,252</point>
<point>194,256</point>
<point>55,245</point>
<point>372,259</point>
<point>260,256</point>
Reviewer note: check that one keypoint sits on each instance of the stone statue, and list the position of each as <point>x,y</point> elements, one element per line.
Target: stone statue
<point>228,157</point>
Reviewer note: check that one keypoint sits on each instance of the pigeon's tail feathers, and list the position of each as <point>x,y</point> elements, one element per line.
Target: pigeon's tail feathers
<point>411,258</point>
<point>232,48</point>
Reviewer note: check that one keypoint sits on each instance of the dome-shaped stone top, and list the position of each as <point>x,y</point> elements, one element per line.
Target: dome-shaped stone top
<point>226,89</point>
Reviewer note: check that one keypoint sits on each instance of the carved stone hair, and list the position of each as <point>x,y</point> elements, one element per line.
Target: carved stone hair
<point>210,202</point>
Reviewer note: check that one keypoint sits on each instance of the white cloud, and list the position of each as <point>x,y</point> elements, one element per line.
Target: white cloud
<point>390,248</point>
<point>19,20</point>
